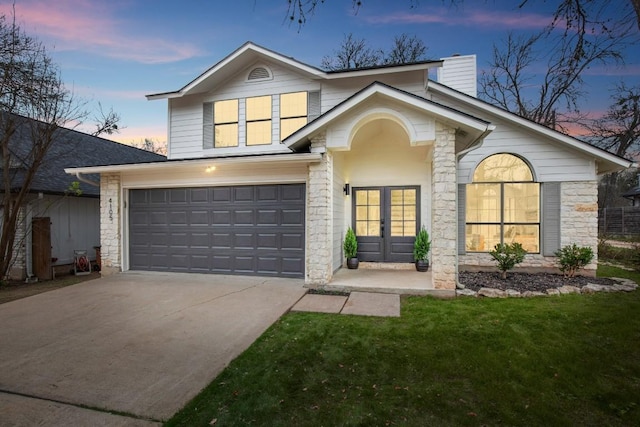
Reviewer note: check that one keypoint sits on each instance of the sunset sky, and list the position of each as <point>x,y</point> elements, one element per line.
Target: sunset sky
<point>115,52</point>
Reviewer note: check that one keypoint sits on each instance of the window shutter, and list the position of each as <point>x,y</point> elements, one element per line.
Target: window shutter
<point>462,216</point>
<point>207,125</point>
<point>314,105</point>
<point>550,218</point>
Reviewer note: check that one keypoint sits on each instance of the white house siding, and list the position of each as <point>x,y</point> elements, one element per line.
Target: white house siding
<point>186,114</point>
<point>340,200</point>
<point>336,91</point>
<point>75,225</point>
<point>550,162</point>
<point>459,73</point>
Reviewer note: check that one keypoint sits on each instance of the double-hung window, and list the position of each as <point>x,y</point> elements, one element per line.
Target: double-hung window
<point>225,123</point>
<point>293,113</point>
<point>502,205</point>
<point>259,120</point>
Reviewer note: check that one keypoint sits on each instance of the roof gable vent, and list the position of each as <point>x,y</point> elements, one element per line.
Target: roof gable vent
<point>259,73</point>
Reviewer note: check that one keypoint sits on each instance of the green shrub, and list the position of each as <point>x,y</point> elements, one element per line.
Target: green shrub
<point>422,245</point>
<point>350,244</point>
<point>507,256</point>
<point>573,257</point>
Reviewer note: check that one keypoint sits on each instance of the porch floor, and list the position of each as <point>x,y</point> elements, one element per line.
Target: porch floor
<point>388,281</point>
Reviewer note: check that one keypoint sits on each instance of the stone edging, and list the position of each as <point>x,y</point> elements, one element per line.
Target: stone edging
<point>623,285</point>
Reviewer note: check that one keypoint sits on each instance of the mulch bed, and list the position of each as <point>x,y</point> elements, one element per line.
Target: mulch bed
<point>539,282</point>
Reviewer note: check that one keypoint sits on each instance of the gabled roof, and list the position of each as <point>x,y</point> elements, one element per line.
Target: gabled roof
<point>474,127</point>
<point>250,53</point>
<point>71,148</point>
<point>607,162</point>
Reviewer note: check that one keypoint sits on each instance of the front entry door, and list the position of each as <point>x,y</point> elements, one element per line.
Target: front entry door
<point>386,220</point>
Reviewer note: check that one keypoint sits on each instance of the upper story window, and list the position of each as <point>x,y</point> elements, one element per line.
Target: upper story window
<point>503,205</point>
<point>225,123</point>
<point>293,112</point>
<point>259,120</point>
<point>250,121</point>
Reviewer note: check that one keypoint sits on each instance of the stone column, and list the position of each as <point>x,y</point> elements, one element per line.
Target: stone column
<point>579,217</point>
<point>444,226</point>
<point>110,224</point>
<point>18,269</point>
<point>319,218</point>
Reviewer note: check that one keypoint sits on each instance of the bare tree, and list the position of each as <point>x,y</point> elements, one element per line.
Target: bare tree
<point>352,53</point>
<point>34,106</point>
<point>406,49</point>
<point>618,131</point>
<point>576,40</point>
<point>152,145</point>
<point>299,11</point>
<point>106,123</point>
<point>355,53</point>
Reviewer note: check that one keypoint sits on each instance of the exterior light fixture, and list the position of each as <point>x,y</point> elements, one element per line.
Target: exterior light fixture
<point>210,169</point>
<point>347,189</point>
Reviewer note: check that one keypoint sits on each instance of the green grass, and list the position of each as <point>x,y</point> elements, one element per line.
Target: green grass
<point>568,360</point>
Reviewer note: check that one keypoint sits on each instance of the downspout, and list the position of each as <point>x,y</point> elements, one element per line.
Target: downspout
<point>86,180</point>
<point>476,143</point>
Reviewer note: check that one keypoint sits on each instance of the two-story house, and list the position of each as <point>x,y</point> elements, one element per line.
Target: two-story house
<point>271,160</point>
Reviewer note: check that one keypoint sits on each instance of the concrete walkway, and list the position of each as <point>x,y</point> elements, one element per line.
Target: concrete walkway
<point>358,303</point>
<point>141,344</point>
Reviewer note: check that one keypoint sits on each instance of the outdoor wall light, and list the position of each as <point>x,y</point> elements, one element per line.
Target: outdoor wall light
<point>210,169</point>
<point>346,189</point>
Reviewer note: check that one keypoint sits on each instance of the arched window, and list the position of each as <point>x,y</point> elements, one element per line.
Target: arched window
<point>503,205</point>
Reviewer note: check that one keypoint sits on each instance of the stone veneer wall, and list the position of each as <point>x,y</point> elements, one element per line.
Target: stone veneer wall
<point>444,217</point>
<point>579,225</point>
<point>110,225</point>
<point>319,250</point>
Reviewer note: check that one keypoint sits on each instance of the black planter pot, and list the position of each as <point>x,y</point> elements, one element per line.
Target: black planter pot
<point>422,265</point>
<point>352,263</point>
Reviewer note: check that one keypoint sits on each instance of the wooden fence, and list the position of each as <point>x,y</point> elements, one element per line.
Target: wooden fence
<point>619,221</point>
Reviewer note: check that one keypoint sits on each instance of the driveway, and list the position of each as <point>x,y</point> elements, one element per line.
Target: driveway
<point>137,343</point>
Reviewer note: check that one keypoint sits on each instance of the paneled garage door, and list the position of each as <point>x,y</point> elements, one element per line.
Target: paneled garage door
<point>255,230</point>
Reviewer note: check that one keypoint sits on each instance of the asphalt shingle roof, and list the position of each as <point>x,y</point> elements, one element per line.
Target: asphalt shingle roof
<point>73,149</point>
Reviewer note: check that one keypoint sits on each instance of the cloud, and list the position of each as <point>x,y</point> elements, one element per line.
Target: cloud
<point>90,26</point>
<point>470,18</point>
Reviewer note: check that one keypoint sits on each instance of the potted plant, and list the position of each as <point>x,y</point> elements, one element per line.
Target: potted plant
<point>350,247</point>
<point>421,250</point>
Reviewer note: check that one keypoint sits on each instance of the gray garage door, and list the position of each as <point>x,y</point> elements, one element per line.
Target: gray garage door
<point>256,230</point>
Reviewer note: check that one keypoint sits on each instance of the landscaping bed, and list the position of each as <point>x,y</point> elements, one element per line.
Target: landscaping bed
<point>534,282</point>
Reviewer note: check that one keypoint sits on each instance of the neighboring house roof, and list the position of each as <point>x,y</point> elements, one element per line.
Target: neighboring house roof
<point>633,193</point>
<point>71,148</point>
<point>250,53</point>
<point>607,162</point>
<point>474,127</point>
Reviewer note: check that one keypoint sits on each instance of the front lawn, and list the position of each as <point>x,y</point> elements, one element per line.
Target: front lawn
<point>567,360</point>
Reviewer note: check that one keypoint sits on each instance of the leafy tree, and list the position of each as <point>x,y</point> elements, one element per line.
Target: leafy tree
<point>34,105</point>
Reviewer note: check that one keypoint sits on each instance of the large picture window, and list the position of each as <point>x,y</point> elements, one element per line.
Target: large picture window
<point>293,113</point>
<point>503,205</point>
<point>259,120</point>
<point>225,123</point>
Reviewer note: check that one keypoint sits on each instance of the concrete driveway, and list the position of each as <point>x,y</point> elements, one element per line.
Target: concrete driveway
<point>138,343</point>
